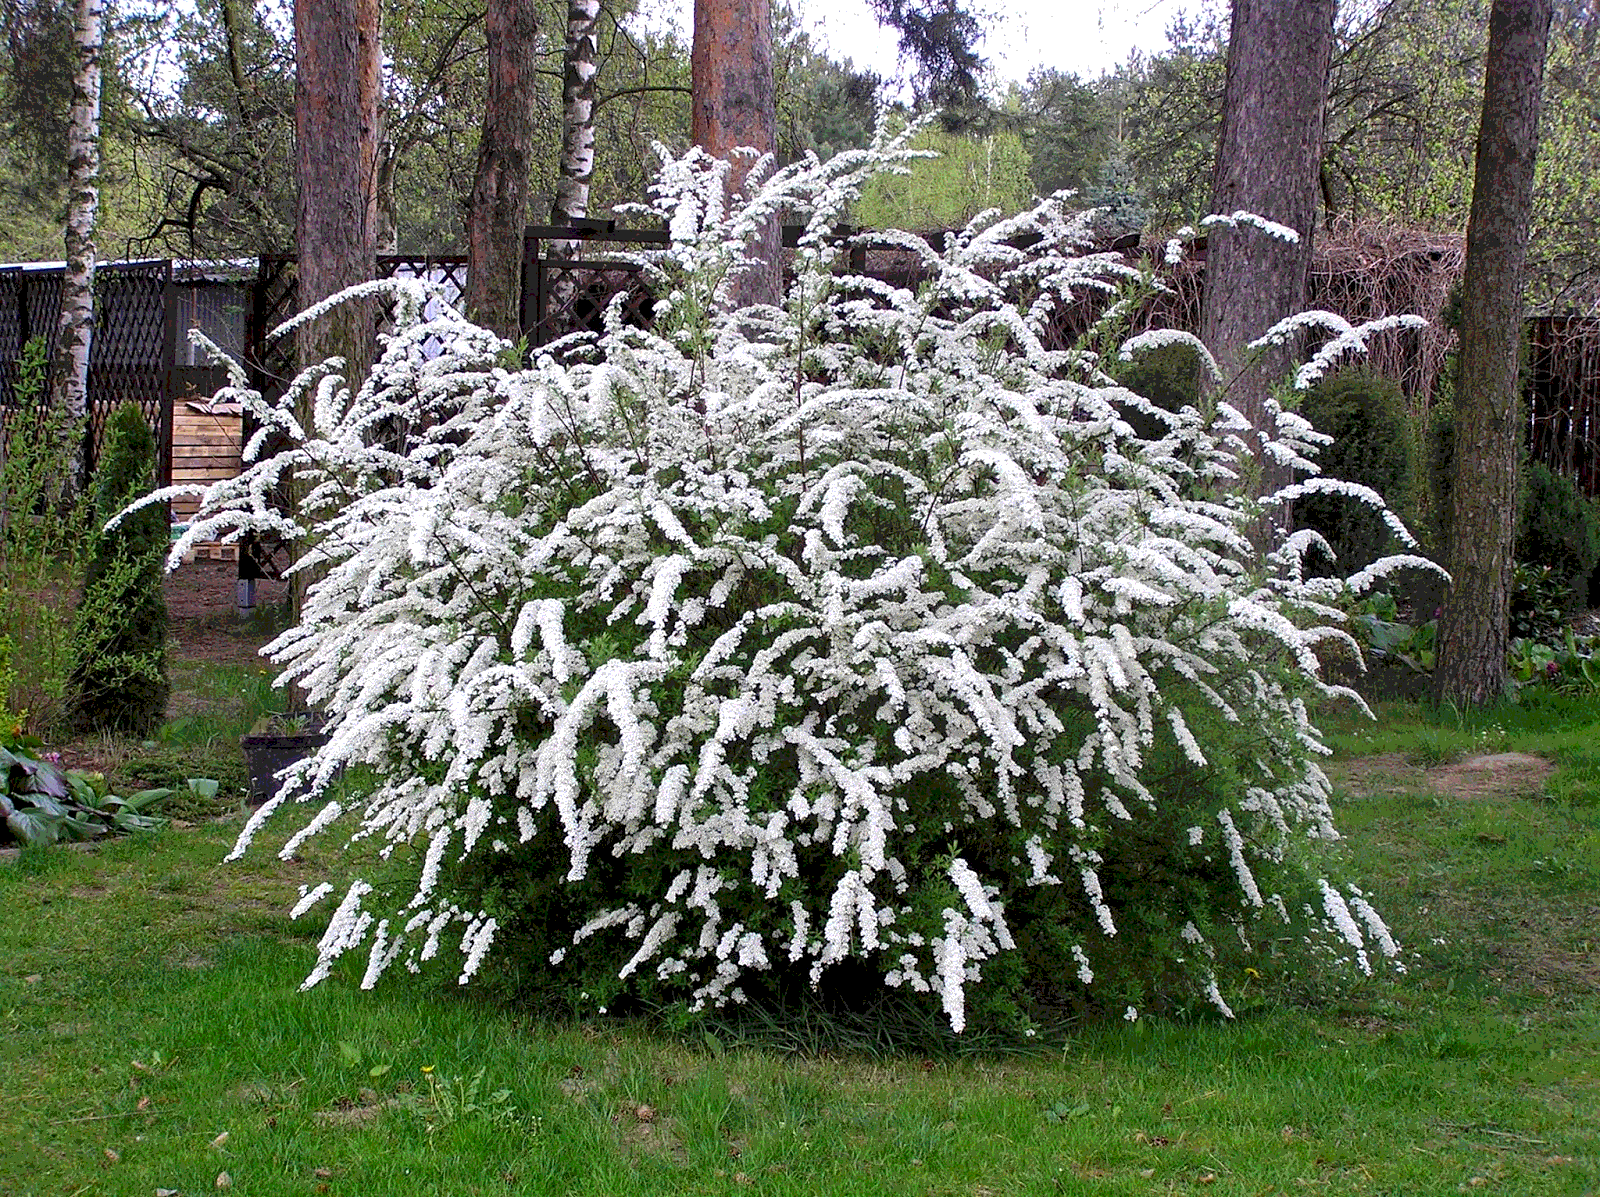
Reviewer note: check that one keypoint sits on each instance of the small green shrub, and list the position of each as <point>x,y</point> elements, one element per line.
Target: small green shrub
<point>43,538</point>
<point>1365,413</point>
<point>1558,529</point>
<point>118,681</point>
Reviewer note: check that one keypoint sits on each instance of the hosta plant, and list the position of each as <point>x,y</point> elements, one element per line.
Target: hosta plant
<point>42,802</point>
<point>860,636</point>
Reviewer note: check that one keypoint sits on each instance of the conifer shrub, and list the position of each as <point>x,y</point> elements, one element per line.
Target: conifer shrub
<point>856,638</point>
<point>118,681</point>
<point>1558,530</point>
<point>1366,415</point>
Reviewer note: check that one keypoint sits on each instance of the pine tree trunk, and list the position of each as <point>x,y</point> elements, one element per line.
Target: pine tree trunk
<point>338,56</point>
<point>498,212</point>
<point>338,60</point>
<point>69,382</point>
<point>1268,153</point>
<point>1474,631</point>
<point>733,105</point>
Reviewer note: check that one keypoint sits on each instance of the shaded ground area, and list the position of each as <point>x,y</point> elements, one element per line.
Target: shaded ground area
<point>204,622</point>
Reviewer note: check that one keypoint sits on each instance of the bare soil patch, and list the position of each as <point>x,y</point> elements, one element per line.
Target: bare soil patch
<point>203,619</point>
<point>1492,775</point>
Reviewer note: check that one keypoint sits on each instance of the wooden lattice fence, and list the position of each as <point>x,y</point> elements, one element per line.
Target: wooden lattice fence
<point>130,357</point>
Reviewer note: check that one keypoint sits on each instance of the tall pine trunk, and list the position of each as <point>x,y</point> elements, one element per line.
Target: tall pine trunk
<point>1474,629</point>
<point>338,75</point>
<point>69,380</point>
<point>338,60</point>
<point>733,105</point>
<point>497,214</point>
<point>1268,153</point>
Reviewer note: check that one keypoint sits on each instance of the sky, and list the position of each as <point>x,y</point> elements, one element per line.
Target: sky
<point>1083,37</point>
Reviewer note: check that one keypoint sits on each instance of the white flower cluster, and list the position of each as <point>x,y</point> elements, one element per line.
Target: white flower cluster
<point>785,596</point>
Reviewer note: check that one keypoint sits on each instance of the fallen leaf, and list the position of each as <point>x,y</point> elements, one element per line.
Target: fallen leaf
<point>33,978</point>
<point>1146,1173</point>
<point>144,1104</point>
<point>1477,1182</point>
<point>1559,1159</point>
<point>1208,1178</point>
<point>224,1181</point>
<point>141,1067</point>
<point>166,1193</point>
<point>322,1173</point>
<point>112,1156</point>
<point>220,1139</point>
<point>645,1113</point>
<point>741,1178</point>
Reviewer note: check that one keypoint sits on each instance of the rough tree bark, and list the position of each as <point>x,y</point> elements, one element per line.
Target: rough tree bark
<point>338,58</point>
<point>69,379</point>
<point>497,215</point>
<point>732,105</point>
<point>1268,153</point>
<point>1473,630</point>
<point>337,80</point>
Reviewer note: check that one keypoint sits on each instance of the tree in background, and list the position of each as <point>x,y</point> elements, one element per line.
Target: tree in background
<point>971,175</point>
<point>1267,159</point>
<point>498,211</point>
<point>941,38</point>
<point>1473,629</point>
<point>733,106</point>
<point>118,681</point>
<point>1070,129</point>
<point>69,375</point>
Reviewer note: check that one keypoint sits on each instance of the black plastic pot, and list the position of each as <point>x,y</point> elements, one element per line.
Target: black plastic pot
<point>268,753</point>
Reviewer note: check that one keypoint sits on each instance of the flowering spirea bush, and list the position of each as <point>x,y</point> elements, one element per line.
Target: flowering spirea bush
<point>864,629</point>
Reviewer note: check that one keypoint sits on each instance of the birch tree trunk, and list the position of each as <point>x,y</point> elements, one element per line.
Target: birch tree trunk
<point>733,105</point>
<point>498,212</point>
<point>577,112</point>
<point>1268,153</point>
<point>1474,629</point>
<point>69,381</point>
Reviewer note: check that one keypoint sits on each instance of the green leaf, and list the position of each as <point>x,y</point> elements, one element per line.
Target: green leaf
<point>34,827</point>
<point>203,787</point>
<point>378,1070</point>
<point>350,1054</point>
<point>44,804</point>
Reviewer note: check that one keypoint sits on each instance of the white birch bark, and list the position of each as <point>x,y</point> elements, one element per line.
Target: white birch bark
<point>577,141</point>
<point>69,387</point>
<point>577,112</point>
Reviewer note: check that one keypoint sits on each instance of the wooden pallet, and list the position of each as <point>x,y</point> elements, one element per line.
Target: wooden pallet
<point>211,550</point>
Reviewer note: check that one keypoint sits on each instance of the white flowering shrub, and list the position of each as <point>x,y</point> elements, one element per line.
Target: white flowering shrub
<point>861,630</point>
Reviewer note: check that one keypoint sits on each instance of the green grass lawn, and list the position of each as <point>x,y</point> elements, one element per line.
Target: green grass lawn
<point>154,1038</point>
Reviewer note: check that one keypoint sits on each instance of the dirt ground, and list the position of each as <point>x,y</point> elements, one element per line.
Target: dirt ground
<point>1493,775</point>
<point>204,622</point>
